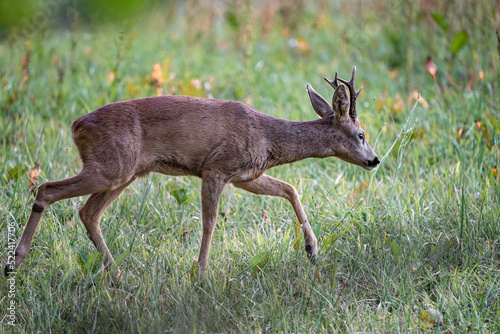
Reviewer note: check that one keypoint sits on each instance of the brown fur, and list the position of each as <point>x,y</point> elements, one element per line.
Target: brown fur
<point>219,141</point>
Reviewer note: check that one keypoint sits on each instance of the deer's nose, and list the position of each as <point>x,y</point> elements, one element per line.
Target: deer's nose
<point>374,162</point>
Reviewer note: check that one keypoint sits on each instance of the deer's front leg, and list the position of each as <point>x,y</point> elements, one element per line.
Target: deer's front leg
<point>211,189</point>
<point>266,185</point>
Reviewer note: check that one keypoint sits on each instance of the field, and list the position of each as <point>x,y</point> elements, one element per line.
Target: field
<point>413,246</point>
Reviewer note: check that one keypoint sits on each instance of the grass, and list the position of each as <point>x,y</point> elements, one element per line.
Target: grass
<point>421,232</point>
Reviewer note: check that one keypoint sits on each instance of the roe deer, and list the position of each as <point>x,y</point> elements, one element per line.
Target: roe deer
<point>217,140</point>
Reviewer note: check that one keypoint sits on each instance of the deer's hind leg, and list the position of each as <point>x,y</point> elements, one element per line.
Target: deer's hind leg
<point>88,181</point>
<point>91,214</point>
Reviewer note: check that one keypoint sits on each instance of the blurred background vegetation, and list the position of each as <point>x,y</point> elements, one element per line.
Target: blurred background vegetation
<point>421,231</point>
<point>237,49</point>
<point>399,34</point>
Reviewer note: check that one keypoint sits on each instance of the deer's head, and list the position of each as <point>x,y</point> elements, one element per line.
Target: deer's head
<point>350,142</point>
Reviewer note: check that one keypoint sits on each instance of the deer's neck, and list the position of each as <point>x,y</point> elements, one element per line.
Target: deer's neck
<point>292,141</point>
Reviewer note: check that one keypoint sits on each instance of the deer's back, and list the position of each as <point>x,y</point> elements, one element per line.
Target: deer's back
<point>176,135</point>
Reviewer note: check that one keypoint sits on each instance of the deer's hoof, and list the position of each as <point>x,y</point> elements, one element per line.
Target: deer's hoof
<point>312,252</point>
<point>312,258</point>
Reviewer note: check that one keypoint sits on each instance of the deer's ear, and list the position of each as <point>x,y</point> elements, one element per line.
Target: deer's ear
<point>340,102</point>
<point>319,104</point>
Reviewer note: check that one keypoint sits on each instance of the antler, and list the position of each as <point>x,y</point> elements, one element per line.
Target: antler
<point>352,90</point>
<point>333,83</point>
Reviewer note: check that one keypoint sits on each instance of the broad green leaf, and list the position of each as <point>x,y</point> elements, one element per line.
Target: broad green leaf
<point>119,260</point>
<point>259,261</point>
<point>440,20</point>
<point>395,249</point>
<point>83,259</point>
<point>261,258</point>
<point>180,195</point>
<point>232,20</point>
<point>94,262</point>
<point>458,42</point>
<point>17,170</point>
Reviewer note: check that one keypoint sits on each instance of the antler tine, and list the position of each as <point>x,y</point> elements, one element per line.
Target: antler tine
<point>352,91</point>
<point>333,83</point>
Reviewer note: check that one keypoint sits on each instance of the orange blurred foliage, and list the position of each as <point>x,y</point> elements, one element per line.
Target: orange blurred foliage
<point>487,138</point>
<point>157,78</point>
<point>34,173</point>
<point>431,67</point>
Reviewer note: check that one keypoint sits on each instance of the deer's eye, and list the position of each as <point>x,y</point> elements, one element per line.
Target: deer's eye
<point>361,136</point>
